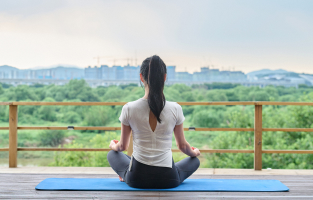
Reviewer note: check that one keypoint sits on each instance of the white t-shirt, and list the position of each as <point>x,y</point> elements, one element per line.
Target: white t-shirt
<point>152,148</point>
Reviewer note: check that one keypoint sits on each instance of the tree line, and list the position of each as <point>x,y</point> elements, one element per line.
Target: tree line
<point>198,116</point>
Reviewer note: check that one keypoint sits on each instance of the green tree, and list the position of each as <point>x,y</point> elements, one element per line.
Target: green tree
<point>114,94</point>
<point>72,117</point>
<point>1,90</point>
<point>79,89</point>
<point>216,95</point>
<point>232,96</point>
<point>51,137</point>
<point>99,116</point>
<point>259,96</point>
<point>206,118</point>
<point>47,113</point>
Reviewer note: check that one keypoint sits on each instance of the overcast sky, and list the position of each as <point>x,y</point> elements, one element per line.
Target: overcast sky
<point>242,34</point>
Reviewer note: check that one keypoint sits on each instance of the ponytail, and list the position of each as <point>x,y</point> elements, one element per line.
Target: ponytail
<point>153,70</point>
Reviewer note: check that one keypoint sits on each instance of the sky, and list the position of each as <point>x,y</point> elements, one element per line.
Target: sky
<point>229,35</point>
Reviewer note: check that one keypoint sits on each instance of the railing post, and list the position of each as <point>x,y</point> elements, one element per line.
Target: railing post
<point>12,136</point>
<point>130,147</point>
<point>258,137</point>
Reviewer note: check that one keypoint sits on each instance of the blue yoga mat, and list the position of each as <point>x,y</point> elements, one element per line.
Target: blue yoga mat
<point>189,185</point>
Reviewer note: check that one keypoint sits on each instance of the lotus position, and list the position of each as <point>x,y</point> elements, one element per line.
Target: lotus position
<point>152,120</point>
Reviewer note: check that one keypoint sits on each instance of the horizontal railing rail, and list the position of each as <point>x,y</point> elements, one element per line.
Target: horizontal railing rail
<point>36,103</point>
<point>106,128</point>
<point>258,129</point>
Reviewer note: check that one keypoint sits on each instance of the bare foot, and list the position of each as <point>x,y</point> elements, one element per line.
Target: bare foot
<point>121,179</point>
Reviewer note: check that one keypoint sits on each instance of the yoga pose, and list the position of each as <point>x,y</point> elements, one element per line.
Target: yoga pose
<point>152,120</point>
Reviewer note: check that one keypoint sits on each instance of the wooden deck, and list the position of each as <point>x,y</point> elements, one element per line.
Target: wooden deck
<point>19,183</point>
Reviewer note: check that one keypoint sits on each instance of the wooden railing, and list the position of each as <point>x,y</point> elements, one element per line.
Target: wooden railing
<point>258,129</point>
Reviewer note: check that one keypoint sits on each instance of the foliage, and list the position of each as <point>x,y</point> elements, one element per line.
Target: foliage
<point>98,116</point>
<point>86,158</point>
<point>198,116</point>
<point>72,117</point>
<point>1,89</point>
<point>51,137</point>
<point>205,118</point>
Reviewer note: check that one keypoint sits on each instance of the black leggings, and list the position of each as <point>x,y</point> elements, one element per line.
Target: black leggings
<point>152,177</point>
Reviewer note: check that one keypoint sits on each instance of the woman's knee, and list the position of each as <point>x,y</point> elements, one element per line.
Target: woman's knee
<point>111,154</point>
<point>196,162</point>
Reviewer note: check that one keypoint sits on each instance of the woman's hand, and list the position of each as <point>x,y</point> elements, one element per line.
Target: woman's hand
<point>196,151</point>
<point>113,144</point>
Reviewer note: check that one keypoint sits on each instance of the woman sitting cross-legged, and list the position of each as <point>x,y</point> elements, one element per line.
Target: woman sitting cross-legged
<point>152,120</point>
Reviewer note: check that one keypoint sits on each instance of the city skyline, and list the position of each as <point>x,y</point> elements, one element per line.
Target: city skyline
<point>118,75</point>
<point>198,69</point>
<point>245,35</point>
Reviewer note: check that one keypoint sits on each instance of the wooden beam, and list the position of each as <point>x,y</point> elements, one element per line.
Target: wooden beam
<point>69,103</point>
<point>221,129</point>
<point>284,103</point>
<point>220,150</point>
<point>13,136</point>
<point>130,147</point>
<point>123,103</point>
<point>117,128</point>
<point>61,149</point>
<point>173,150</point>
<point>4,128</point>
<point>216,103</point>
<point>4,149</point>
<point>185,129</point>
<point>289,129</point>
<point>106,149</point>
<point>258,138</point>
<point>289,151</point>
<point>42,127</point>
<point>65,128</point>
<point>5,103</point>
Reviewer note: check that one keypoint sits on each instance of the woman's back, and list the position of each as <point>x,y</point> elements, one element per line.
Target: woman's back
<point>152,121</point>
<point>152,147</point>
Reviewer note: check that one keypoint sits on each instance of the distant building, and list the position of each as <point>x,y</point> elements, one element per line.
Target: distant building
<point>112,73</point>
<point>105,72</point>
<point>119,73</point>
<point>171,72</point>
<point>131,73</point>
<point>207,74</point>
<point>8,72</point>
<point>183,76</point>
<point>116,75</point>
<point>93,73</point>
<point>237,75</point>
<point>108,73</point>
<point>203,75</point>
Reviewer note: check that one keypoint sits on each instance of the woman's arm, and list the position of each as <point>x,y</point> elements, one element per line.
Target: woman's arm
<point>182,144</point>
<point>123,144</point>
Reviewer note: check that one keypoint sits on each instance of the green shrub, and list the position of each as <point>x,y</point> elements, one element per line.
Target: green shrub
<point>72,117</point>
<point>51,137</point>
<point>86,158</point>
<point>206,118</point>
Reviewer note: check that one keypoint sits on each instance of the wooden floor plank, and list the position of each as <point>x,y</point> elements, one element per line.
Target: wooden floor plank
<point>21,186</point>
<point>108,170</point>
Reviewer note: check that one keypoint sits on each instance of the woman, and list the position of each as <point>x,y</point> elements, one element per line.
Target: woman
<point>152,121</point>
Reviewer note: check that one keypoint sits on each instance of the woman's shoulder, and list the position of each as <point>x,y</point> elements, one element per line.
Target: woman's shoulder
<point>139,102</point>
<point>134,103</point>
<point>172,104</point>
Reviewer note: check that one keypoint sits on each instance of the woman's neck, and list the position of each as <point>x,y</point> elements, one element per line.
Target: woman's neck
<point>146,93</point>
